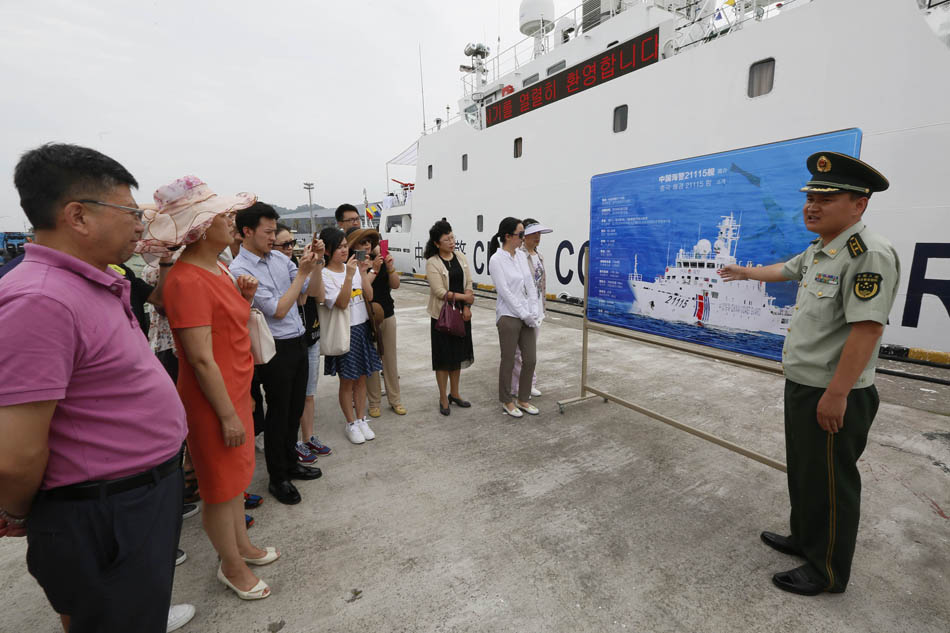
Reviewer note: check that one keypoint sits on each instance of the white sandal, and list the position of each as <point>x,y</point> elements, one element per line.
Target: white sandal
<point>269,557</point>
<point>516,413</point>
<point>257,592</point>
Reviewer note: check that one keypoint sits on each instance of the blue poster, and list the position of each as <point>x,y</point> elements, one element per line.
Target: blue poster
<point>658,234</point>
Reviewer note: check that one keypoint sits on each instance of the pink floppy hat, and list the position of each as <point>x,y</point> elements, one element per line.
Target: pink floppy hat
<point>183,211</point>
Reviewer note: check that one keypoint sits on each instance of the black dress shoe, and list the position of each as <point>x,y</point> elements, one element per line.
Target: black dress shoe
<point>800,581</point>
<point>285,492</point>
<point>444,410</point>
<point>781,543</point>
<point>303,473</point>
<point>462,403</point>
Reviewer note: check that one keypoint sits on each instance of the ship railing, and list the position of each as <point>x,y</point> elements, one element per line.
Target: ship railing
<point>724,19</point>
<point>441,123</point>
<point>522,52</point>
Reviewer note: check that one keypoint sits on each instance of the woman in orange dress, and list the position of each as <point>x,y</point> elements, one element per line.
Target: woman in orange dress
<point>208,312</point>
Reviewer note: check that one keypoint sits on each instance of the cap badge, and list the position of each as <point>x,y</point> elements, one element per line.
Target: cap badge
<point>823,165</point>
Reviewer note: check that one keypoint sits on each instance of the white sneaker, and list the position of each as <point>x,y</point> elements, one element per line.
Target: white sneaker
<point>535,392</point>
<point>178,616</point>
<point>365,430</point>
<point>259,441</point>
<point>353,432</point>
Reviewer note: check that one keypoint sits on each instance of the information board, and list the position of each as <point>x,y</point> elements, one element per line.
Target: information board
<point>659,233</point>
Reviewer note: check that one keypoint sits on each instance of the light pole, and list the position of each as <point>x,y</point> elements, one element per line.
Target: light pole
<point>309,187</point>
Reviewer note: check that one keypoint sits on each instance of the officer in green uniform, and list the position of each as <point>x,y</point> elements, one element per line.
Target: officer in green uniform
<point>847,282</point>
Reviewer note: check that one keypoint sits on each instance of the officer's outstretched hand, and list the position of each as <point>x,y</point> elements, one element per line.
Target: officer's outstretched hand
<point>733,272</point>
<point>831,410</point>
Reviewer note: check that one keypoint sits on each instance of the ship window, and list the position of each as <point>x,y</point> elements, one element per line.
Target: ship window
<point>430,172</point>
<point>480,223</point>
<point>530,80</point>
<point>761,77</point>
<point>710,265</point>
<point>464,162</point>
<point>518,148</point>
<point>556,67</point>
<point>620,118</point>
<point>715,295</point>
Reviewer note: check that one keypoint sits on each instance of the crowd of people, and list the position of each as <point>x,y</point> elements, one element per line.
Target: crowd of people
<point>110,382</point>
<point>223,332</point>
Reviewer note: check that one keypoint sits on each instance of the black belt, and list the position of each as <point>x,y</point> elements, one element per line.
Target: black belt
<point>103,489</point>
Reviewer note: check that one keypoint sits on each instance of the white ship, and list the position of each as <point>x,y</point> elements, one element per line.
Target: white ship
<point>691,291</point>
<point>714,76</point>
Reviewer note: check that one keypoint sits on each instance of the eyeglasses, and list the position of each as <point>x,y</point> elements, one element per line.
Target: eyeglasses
<point>136,212</point>
<point>520,235</point>
<point>287,244</point>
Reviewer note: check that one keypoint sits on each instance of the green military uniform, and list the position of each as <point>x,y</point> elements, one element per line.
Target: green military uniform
<point>851,279</point>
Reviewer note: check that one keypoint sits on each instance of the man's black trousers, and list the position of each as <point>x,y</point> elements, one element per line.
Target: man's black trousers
<point>284,380</point>
<point>109,563</point>
<point>824,485</point>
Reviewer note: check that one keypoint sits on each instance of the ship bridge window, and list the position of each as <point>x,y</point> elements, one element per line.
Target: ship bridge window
<point>464,162</point>
<point>620,118</point>
<point>430,172</point>
<point>710,265</point>
<point>530,80</point>
<point>556,67</point>
<point>761,77</point>
<point>518,150</point>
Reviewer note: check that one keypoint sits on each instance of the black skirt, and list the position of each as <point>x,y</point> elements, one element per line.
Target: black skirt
<point>450,353</point>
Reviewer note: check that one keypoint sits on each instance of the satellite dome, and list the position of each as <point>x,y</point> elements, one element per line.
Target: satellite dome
<point>703,247</point>
<point>536,17</point>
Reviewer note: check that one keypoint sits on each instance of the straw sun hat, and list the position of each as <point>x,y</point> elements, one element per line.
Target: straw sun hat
<point>183,211</point>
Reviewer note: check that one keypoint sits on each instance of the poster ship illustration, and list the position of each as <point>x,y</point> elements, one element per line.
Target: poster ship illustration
<point>691,291</point>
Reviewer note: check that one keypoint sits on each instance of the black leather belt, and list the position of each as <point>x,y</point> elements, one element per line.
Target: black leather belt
<point>103,489</point>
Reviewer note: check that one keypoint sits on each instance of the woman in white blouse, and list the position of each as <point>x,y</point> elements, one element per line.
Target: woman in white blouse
<point>517,313</point>
<point>349,283</point>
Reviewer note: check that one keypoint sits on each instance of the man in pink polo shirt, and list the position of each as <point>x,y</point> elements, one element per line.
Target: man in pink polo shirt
<point>91,424</point>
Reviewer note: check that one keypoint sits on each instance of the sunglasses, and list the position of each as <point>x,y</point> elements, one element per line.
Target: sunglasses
<point>520,235</point>
<point>287,244</point>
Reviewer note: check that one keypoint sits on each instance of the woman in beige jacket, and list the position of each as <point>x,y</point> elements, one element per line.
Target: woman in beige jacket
<point>450,279</point>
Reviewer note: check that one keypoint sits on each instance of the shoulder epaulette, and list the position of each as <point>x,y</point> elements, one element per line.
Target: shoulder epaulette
<point>856,245</point>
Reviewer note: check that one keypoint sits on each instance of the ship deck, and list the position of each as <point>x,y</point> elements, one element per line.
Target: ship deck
<point>599,519</point>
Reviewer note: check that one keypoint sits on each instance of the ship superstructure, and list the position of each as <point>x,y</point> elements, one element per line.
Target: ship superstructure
<point>690,291</point>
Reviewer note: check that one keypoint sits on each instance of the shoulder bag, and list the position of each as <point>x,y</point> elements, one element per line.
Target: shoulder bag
<point>263,347</point>
<point>334,330</point>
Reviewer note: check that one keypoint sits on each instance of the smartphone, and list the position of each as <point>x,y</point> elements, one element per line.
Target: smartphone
<point>383,248</point>
<point>360,255</point>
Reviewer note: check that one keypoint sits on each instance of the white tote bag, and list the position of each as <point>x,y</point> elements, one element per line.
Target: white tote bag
<point>263,347</point>
<point>334,330</point>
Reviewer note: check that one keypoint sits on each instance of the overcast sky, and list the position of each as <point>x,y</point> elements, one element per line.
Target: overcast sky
<point>249,96</point>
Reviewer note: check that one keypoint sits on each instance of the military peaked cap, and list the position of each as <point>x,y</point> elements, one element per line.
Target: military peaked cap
<point>832,172</point>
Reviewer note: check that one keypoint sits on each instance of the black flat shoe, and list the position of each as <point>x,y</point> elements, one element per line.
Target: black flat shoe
<point>446,410</point>
<point>285,492</point>
<point>781,543</point>
<point>800,581</point>
<point>303,473</point>
<point>462,403</point>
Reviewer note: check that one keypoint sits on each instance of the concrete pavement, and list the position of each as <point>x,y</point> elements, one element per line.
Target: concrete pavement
<point>599,519</point>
